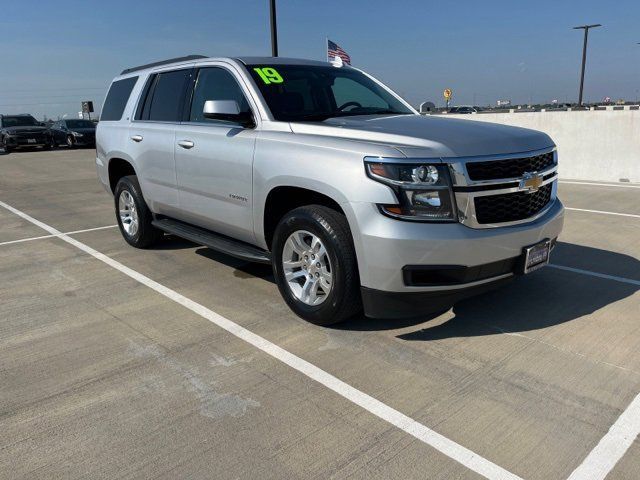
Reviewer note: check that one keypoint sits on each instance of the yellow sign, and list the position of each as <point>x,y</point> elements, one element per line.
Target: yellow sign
<point>447,93</point>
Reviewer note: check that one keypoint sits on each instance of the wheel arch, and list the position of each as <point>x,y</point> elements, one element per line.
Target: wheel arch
<point>118,168</point>
<point>286,197</point>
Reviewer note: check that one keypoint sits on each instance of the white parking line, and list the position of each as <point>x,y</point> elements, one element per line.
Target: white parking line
<point>593,184</point>
<point>596,274</point>
<point>453,450</point>
<point>57,235</point>
<point>603,212</point>
<point>612,446</point>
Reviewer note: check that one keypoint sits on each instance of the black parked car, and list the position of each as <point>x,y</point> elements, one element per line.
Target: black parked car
<point>19,131</point>
<point>74,133</point>
<point>464,109</point>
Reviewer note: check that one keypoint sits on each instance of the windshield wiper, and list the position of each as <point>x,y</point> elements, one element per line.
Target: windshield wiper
<point>372,112</point>
<point>312,117</point>
<point>383,111</point>
<point>319,117</point>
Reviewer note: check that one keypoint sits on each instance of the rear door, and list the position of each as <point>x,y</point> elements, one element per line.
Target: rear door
<point>152,137</point>
<point>214,158</point>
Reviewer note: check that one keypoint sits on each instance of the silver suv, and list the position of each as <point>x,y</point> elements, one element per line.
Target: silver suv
<point>320,170</point>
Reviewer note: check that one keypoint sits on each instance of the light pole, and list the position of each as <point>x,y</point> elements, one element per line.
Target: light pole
<point>274,28</point>
<point>584,55</point>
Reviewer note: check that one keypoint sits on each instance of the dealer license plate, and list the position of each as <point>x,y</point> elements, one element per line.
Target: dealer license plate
<point>536,256</point>
<point>31,140</point>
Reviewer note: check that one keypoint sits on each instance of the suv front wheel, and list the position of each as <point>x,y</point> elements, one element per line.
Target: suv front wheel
<point>315,266</point>
<point>133,214</point>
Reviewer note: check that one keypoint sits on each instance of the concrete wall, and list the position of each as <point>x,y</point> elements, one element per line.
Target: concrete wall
<point>595,145</point>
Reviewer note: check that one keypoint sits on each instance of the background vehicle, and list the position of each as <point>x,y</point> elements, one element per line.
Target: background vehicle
<point>356,200</point>
<point>464,109</point>
<point>74,133</point>
<point>19,131</point>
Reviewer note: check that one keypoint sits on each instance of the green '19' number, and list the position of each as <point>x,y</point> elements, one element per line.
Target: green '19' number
<point>269,75</point>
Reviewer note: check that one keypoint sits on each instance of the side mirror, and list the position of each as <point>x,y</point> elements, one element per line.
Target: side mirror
<point>228,110</point>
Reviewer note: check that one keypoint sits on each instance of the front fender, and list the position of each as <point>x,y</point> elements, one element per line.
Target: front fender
<point>337,173</point>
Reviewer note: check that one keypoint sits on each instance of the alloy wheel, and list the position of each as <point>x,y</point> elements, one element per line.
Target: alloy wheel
<point>307,268</point>
<point>128,213</point>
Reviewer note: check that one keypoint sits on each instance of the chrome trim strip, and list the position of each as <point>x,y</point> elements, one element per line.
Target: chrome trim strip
<point>483,193</point>
<point>478,183</point>
<point>460,176</point>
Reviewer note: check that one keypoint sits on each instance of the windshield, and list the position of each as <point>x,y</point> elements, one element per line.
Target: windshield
<point>315,93</point>
<point>19,121</point>
<point>80,124</point>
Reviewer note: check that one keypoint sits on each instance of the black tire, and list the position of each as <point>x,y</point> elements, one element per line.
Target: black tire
<point>5,146</point>
<point>344,299</point>
<point>146,234</point>
<point>71,143</point>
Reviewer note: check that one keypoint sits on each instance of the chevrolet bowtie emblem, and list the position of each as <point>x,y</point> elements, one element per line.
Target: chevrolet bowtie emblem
<point>530,182</point>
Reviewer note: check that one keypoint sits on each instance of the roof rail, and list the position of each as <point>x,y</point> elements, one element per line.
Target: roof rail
<point>163,62</point>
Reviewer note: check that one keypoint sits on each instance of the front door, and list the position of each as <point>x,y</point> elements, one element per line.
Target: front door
<point>214,160</point>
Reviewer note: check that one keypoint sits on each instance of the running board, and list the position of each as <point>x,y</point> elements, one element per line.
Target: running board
<point>215,241</point>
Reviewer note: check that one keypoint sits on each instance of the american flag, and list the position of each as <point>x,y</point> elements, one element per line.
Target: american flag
<point>334,50</point>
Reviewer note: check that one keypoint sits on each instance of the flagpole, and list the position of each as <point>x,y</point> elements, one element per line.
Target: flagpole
<point>327,48</point>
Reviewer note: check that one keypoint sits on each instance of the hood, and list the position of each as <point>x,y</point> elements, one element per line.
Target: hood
<point>83,130</point>
<point>28,129</point>
<point>430,136</point>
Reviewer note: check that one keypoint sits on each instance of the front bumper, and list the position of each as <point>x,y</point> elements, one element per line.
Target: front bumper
<point>32,140</point>
<point>399,305</point>
<point>385,246</point>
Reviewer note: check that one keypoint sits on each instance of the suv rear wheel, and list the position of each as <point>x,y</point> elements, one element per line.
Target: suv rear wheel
<point>133,214</point>
<point>315,266</point>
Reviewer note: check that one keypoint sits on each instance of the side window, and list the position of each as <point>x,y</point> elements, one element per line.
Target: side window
<point>167,97</point>
<point>347,90</point>
<point>117,99</point>
<point>142,111</point>
<point>215,83</point>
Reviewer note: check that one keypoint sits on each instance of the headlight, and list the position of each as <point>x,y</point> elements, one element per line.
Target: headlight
<point>76,134</point>
<point>423,190</point>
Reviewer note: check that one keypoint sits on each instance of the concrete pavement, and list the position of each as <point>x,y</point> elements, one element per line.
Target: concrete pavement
<point>103,377</point>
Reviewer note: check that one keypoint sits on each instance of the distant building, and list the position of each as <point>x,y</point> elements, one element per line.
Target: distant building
<point>427,107</point>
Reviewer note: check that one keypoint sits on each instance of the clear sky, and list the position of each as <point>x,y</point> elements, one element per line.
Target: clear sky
<point>56,53</point>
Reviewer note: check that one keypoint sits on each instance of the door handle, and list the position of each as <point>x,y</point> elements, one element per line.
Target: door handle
<point>186,144</point>
<point>137,138</point>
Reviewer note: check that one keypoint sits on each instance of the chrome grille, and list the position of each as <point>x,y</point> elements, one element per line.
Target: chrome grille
<point>492,191</point>
<point>511,207</point>
<point>509,168</point>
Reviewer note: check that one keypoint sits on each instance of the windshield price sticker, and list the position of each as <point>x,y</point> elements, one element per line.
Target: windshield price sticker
<point>269,75</point>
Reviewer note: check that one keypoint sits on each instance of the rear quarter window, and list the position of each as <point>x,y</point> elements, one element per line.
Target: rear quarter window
<point>117,98</point>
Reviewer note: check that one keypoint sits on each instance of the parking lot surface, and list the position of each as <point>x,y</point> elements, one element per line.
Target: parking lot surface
<point>113,362</point>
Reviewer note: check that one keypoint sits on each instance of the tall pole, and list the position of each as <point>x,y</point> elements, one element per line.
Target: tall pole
<point>584,56</point>
<point>584,63</point>
<point>274,28</point>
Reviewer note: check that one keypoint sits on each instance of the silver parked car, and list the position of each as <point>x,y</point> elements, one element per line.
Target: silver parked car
<point>357,201</point>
